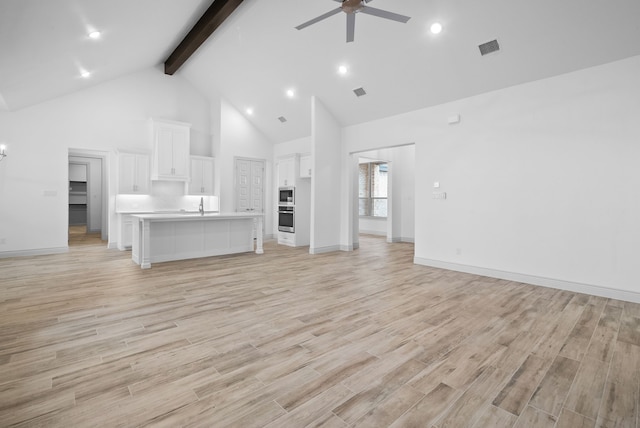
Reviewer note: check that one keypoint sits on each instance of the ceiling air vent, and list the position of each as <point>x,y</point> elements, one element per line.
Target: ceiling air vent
<point>359,92</point>
<point>282,119</point>
<point>489,47</point>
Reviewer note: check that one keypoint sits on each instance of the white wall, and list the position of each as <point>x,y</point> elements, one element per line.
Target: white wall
<point>113,115</point>
<point>541,180</point>
<point>239,138</point>
<point>326,185</point>
<point>301,146</point>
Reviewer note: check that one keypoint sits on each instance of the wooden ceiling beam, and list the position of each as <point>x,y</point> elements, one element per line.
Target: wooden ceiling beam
<point>217,13</point>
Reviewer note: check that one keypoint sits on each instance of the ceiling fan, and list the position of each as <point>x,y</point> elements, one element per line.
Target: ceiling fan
<point>351,7</point>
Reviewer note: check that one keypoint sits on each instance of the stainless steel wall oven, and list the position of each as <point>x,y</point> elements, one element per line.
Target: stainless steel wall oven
<point>286,219</point>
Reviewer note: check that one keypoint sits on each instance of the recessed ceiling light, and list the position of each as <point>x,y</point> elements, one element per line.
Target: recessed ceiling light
<point>85,74</point>
<point>249,111</point>
<point>436,28</point>
<point>343,69</point>
<point>94,35</point>
<point>291,93</point>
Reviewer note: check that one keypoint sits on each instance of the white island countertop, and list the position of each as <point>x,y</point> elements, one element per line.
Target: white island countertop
<point>189,215</point>
<point>160,237</point>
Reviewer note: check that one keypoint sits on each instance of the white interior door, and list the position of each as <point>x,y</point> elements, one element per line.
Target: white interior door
<point>249,185</point>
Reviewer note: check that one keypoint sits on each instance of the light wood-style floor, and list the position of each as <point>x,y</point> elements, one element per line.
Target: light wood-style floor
<point>287,339</point>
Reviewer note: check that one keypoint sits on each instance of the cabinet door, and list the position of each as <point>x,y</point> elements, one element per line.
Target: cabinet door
<point>305,166</point>
<point>285,172</point>
<point>133,174</point>
<point>201,171</point>
<point>142,184</point>
<point>164,152</point>
<point>126,173</point>
<point>207,176</point>
<point>195,184</point>
<point>180,151</point>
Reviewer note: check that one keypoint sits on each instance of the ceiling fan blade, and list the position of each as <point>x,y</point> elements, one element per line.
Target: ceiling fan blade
<point>351,26</point>
<point>385,14</point>
<point>319,18</point>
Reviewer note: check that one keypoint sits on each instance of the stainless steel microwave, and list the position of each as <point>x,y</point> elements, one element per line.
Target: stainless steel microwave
<point>287,196</point>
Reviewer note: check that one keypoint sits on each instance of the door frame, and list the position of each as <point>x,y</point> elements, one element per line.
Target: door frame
<point>103,156</point>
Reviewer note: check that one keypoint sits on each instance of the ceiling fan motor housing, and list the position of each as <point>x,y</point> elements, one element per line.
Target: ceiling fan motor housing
<point>352,6</point>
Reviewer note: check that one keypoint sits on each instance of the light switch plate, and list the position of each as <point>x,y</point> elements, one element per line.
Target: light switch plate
<point>436,184</point>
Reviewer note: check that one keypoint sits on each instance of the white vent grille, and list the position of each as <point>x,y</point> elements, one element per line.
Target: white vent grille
<point>489,47</point>
<point>359,92</point>
<point>282,119</point>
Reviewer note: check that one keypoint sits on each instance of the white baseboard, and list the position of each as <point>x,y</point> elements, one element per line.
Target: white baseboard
<point>576,287</point>
<point>112,246</point>
<point>407,239</point>
<point>36,252</point>
<point>321,250</point>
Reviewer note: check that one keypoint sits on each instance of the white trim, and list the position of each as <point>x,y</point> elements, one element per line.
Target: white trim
<point>36,252</point>
<point>112,246</point>
<point>329,249</point>
<point>576,287</point>
<point>407,239</point>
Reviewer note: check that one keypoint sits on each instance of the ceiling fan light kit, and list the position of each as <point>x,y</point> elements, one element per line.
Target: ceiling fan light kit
<point>351,7</point>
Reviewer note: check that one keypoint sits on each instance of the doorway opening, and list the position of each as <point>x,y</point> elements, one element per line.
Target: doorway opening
<point>389,210</point>
<point>87,214</point>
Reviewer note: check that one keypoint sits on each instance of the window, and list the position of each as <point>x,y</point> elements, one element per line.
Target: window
<point>372,189</point>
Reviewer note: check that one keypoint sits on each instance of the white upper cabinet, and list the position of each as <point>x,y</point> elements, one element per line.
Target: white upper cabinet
<point>287,172</point>
<point>133,174</point>
<point>171,150</point>
<point>305,166</point>
<point>201,182</point>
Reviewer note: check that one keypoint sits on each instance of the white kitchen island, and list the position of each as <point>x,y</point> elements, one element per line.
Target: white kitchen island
<point>166,237</point>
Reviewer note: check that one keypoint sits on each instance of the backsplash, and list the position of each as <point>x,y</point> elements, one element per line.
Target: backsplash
<point>165,196</point>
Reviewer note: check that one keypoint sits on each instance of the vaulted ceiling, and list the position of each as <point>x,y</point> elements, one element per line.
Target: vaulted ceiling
<point>256,55</point>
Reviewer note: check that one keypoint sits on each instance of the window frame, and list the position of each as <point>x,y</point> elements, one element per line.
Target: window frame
<point>369,191</point>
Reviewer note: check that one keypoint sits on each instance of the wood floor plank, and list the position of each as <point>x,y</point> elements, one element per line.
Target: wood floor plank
<point>344,339</point>
<point>619,406</point>
<point>554,387</point>
<point>496,418</point>
<point>569,419</point>
<point>534,418</point>
<point>516,394</point>
<point>426,411</point>
<point>605,335</point>
<point>586,392</point>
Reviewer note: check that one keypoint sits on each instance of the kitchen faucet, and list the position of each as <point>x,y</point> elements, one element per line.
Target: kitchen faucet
<point>201,207</point>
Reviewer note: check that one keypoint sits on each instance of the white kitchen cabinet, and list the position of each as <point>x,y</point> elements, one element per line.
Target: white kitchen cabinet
<point>171,150</point>
<point>305,166</point>
<point>201,171</point>
<point>125,229</point>
<point>133,174</point>
<point>287,171</point>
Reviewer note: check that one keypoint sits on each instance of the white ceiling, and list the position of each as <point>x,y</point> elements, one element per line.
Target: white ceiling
<point>257,53</point>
